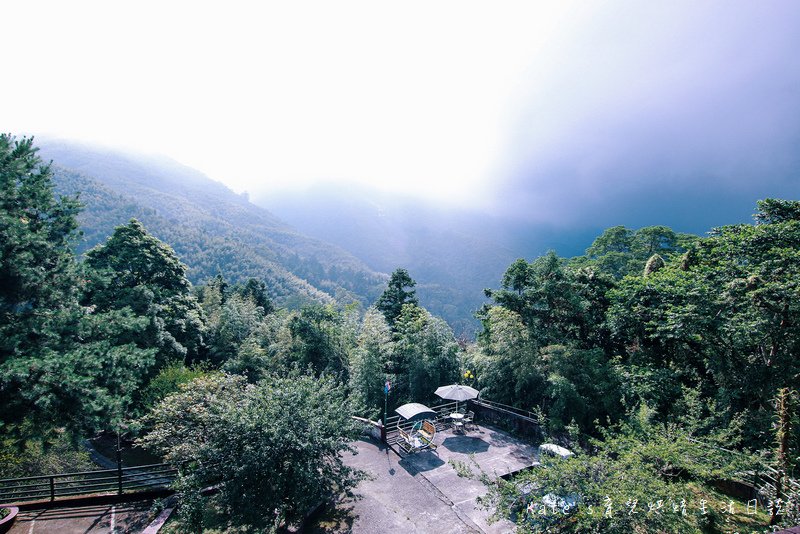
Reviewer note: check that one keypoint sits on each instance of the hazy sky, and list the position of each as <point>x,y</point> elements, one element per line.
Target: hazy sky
<point>551,110</point>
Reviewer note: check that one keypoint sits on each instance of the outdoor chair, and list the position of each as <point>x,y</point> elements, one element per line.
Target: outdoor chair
<point>469,420</point>
<point>426,434</point>
<point>406,442</point>
<point>420,438</point>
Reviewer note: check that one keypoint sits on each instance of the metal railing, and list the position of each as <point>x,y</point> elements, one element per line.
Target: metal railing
<point>105,481</point>
<point>394,422</point>
<point>511,410</point>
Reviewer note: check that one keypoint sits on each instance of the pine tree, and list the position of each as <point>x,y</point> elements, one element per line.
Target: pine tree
<point>37,271</point>
<point>396,295</point>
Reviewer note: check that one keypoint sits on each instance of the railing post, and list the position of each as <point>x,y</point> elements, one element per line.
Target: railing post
<point>119,469</point>
<point>52,489</point>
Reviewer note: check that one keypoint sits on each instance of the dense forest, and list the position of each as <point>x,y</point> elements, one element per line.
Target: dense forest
<point>650,342</point>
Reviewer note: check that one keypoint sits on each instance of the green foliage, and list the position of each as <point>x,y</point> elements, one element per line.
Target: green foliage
<point>715,315</point>
<point>57,452</point>
<point>395,296</point>
<point>60,363</point>
<point>550,299</point>
<point>229,324</point>
<point>507,366</point>
<point>369,360</point>
<point>582,386</point>
<point>315,338</point>
<point>37,272</point>
<point>273,448</point>
<point>723,318</point>
<point>774,210</point>
<point>137,271</point>
<point>620,251</point>
<point>640,478</point>
<point>424,355</point>
<point>168,381</point>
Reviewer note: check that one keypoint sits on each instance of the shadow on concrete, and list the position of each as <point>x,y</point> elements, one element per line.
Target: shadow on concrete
<point>502,438</point>
<point>421,461</point>
<point>332,520</point>
<point>465,444</point>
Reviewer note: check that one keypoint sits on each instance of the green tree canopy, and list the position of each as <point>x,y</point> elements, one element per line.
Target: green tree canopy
<point>38,284</point>
<point>391,302</point>
<point>273,449</point>
<point>135,270</point>
<point>62,365</point>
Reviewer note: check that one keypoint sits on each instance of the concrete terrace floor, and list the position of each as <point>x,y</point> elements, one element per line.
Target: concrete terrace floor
<point>423,492</point>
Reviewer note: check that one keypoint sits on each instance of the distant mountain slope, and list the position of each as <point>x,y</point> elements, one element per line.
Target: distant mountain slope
<point>453,254</point>
<point>211,228</point>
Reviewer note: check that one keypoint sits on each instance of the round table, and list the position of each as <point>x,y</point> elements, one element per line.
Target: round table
<point>458,424</point>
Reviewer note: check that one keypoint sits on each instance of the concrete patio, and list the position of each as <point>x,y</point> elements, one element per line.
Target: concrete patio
<point>424,492</point>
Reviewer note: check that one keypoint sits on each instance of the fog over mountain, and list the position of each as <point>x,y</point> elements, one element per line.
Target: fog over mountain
<point>212,229</point>
<point>659,115</point>
<point>339,241</point>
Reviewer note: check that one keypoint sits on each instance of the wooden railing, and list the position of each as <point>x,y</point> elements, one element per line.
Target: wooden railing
<point>85,483</point>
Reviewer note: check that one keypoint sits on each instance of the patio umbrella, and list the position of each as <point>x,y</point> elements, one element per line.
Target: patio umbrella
<point>415,411</point>
<point>457,393</point>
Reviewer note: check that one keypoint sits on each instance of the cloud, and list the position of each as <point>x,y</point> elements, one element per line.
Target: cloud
<point>657,112</point>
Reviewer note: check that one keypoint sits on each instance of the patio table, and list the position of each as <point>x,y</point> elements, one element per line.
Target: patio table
<point>458,424</point>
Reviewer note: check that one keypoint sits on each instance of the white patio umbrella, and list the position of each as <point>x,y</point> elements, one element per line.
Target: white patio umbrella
<point>457,393</point>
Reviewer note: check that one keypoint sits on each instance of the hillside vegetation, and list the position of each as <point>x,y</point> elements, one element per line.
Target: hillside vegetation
<point>212,229</point>
<point>666,361</point>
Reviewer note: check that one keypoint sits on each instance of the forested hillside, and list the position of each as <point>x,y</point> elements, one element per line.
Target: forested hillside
<point>453,253</point>
<point>212,229</point>
<point>666,361</point>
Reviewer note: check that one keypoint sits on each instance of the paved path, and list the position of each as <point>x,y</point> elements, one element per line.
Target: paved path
<point>106,518</point>
<point>423,493</point>
<point>394,501</point>
<point>485,450</point>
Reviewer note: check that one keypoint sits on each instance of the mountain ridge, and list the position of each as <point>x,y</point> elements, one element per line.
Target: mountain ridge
<point>211,228</point>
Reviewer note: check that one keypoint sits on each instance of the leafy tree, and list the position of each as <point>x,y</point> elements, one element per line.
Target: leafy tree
<point>135,270</point>
<point>315,338</point>
<point>723,317</point>
<point>507,371</point>
<point>774,210</point>
<point>519,276</point>
<point>582,386</point>
<point>256,290</point>
<point>168,381</point>
<point>369,360</point>
<point>640,478</point>
<point>427,352</point>
<point>38,285</point>
<point>614,239</point>
<point>391,302</point>
<point>230,325</point>
<point>619,251</point>
<point>273,449</point>
<point>251,361</point>
<point>550,303</point>
<point>61,364</point>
